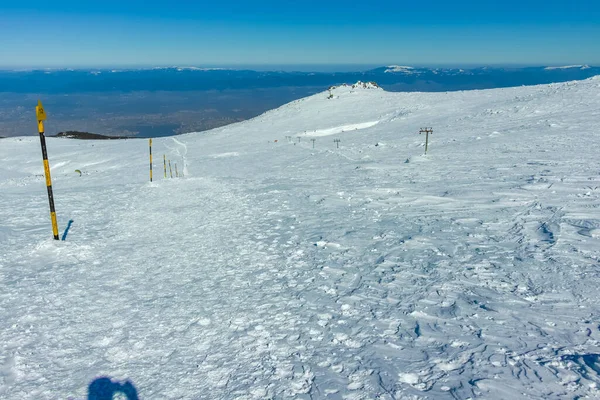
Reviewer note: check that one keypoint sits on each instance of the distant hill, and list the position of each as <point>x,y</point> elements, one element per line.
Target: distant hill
<point>391,78</point>
<point>404,78</point>
<point>87,136</point>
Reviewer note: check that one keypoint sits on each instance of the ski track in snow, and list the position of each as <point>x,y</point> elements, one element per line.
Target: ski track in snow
<point>281,271</point>
<point>340,129</point>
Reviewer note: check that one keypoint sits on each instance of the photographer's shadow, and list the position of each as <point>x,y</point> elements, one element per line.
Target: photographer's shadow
<point>104,389</point>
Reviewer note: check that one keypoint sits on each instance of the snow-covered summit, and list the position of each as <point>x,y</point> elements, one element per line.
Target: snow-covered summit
<point>357,85</point>
<point>569,67</point>
<point>399,69</point>
<point>366,85</point>
<point>189,68</point>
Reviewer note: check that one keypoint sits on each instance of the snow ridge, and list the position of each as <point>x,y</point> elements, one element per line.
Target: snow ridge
<point>569,67</point>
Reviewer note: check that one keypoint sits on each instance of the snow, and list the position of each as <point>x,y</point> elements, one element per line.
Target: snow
<point>569,67</point>
<point>191,68</point>
<point>340,129</point>
<point>275,270</point>
<point>399,68</point>
<point>199,69</point>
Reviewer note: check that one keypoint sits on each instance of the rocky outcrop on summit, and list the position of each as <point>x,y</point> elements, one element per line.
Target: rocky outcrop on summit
<point>359,84</point>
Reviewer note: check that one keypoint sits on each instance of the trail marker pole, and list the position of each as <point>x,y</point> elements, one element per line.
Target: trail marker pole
<point>165,164</point>
<point>170,170</point>
<point>176,173</point>
<point>41,117</point>
<point>427,132</point>
<point>313,140</point>
<point>150,144</point>
<point>337,142</point>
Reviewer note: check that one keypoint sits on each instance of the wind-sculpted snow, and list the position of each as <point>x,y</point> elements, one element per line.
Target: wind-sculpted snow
<point>275,270</point>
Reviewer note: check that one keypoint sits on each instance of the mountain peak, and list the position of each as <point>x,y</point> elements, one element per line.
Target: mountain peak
<point>569,67</point>
<point>399,69</point>
<point>358,85</point>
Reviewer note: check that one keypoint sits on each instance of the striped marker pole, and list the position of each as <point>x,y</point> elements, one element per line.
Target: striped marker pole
<point>170,170</point>
<point>150,143</point>
<point>41,117</point>
<point>165,163</point>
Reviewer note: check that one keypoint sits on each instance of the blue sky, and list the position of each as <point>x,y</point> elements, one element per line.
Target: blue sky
<point>65,33</point>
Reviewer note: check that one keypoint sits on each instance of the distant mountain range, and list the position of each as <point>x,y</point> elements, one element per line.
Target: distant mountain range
<point>391,78</point>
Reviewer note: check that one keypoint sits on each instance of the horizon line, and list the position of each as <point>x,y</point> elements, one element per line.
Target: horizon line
<point>277,66</point>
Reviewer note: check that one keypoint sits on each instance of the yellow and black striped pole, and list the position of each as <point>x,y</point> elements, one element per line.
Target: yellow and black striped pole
<point>41,117</point>
<point>170,170</point>
<point>176,173</point>
<point>165,163</point>
<point>150,143</point>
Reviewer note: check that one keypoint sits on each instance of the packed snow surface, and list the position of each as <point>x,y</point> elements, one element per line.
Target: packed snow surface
<point>275,270</point>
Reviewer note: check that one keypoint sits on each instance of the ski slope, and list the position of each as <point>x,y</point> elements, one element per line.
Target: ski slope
<point>275,270</point>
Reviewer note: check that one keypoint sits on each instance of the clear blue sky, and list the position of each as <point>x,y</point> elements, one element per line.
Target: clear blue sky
<point>76,33</point>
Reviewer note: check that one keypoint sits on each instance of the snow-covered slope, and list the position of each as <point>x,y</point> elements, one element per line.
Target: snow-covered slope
<point>275,270</point>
